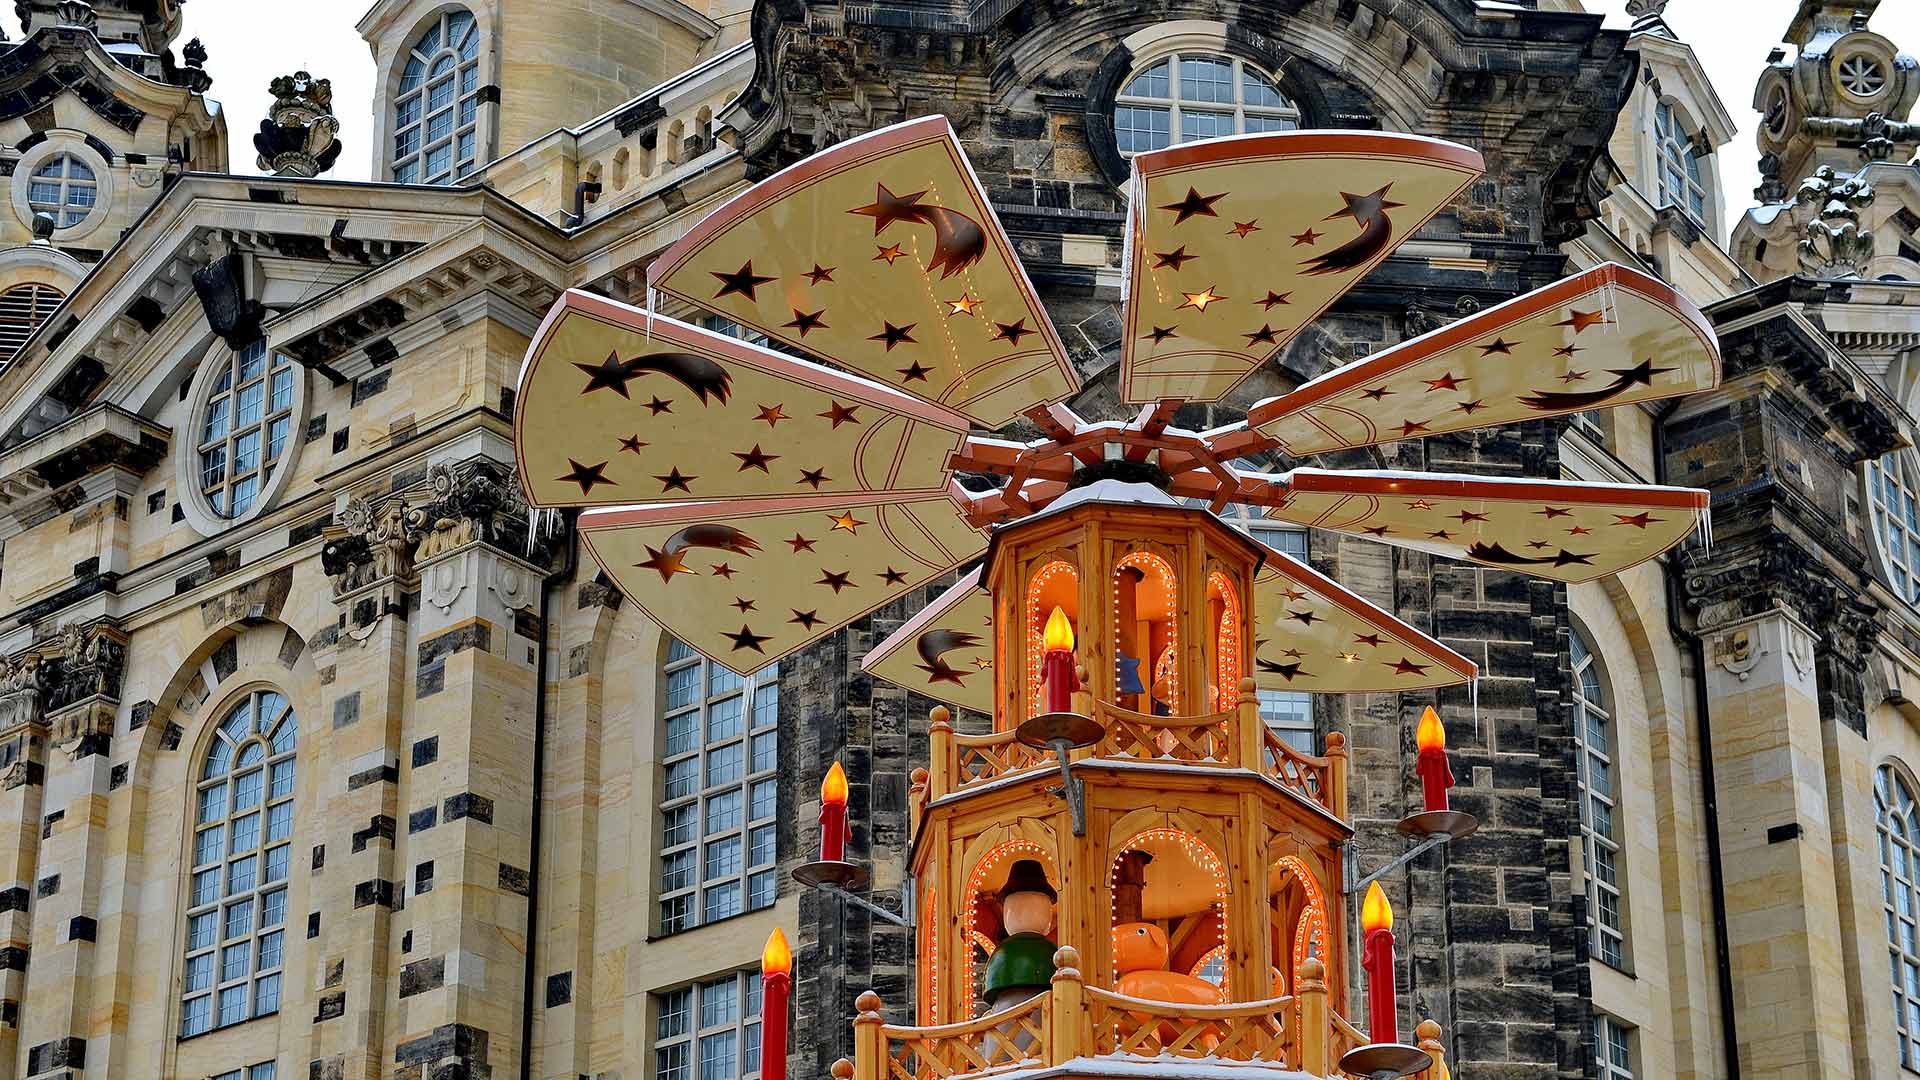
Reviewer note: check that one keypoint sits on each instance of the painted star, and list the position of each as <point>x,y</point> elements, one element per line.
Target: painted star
<point>741,603</point>
<point>1307,238</point>
<point>807,321</point>
<point>1172,260</point>
<point>1287,671</point>
<point>887,208</point>
<point>1364,208</point>
<point>982,663</point>
<point>1538,544</point>
<point>631,444</point>
<point>895,335</point>
<point>1411,427</point>
<point>754,459</point>
<point>747,639</point>
<point>819,274</point>
<point>674,480</point>
<point>1159,334</point>
<point>1641,373</point>
<point>1638,521</point>
<point>1242,228</point>
<point>1499,345</point>
<point>847,521</point>
<point>1551,512</point>
<point>807,619</point>
<point>1201,299</point>
<point>742,281</point>
<point>667,563</point>
<point>836,581</point>
<point>724,570</point>
<point>1419,504</point>
<point>610,374</point>
<point>1292,593</point>
<point>1376,393</point>
<point>813,477</point>
<point>1578,530</point>
<point>773,414</point>
<point>1293,653</point>
<point>1580,320</point>
<point>888,253</point>
<point>1375,530</point>
<point>1439,534</point>
<point>1567,350</point>
<point>1445,382</point>
<point>1568,558</point>
<point>1470,407</point>
<point>1465,516</point>
<point>1573,376</point>
<point>801,543</point>
<point>587,476</point>
<point>840,414</point>
<point>1408,667</point>
<point>1012,332</point>
<point>964,305</point>
<point>1369,639</point>
<point>1351,658</point>
<point>1268,302</point>
<point>914,372</point>
<point>1306,618</point>
<point>1194,205</point>
<point>1266,335</point>
<point>893,577</point>
<point>658,406</point>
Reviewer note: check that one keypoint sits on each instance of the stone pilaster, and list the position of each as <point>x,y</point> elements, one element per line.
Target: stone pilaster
<point>23,772</point>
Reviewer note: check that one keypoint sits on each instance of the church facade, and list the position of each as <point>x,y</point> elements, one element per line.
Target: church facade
<point>325,756</point>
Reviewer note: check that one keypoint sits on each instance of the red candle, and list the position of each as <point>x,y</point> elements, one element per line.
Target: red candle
<point>1436,775</point>
<point>776,980</point>
<point>834,830</point>
<point>1056,670</point>
<point>1376,957</point>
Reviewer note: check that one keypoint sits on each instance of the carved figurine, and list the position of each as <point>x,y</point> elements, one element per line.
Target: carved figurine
<point>1022,965</point>
<point>1140,955</point>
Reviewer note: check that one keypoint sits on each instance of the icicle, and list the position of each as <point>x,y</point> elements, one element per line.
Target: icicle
<point>1473,692</point>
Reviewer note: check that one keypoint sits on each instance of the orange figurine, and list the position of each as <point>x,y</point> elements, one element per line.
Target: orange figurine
<point>1140,956</point>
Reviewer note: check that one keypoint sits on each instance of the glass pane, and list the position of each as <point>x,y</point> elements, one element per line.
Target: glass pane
<point>407,114</point>
<point>244,494</point>
<point>676,871</point>
<point>196,1016</point>
<point>215,426</point>
<point>283,389</point>
<point>1149,83</point>
<point>282,785</point>
<point>247,412</point>
<point>1257,123</point>
<point>234,962</point>
<point>719,1002</point>
<point>275,868</point>
<point>762,890</point>
<point>208,845</point>
<point>408,173</point>
<point>1137,130</point>
<point>440,125</point>
<point>1257,90</point>
<point>200,929</point>
<point>765,800</point>
<point>766,751</point>
<point>242,875</point>
<point>724,718</point>
<point>273,908</point>
<point>213,803</point>
<point>1195,124</point>
<point>199,974</point>
<point>676,1010</point>
<point>239,920</point>
<point>251,361</point>
<point>246,786</point>
<point>1205,79</point>
<point>670,1062</point>
<point>683,733</point>
<point>429,42</point>
<point>272,949</point>
<point>723,812</point>
<point>206,887</point>
<point>723,858</point>
<point>761,847</point>
<point>677,826</point>
<point>720,902</point>
<point>717,1060</point>
<point>246,452</point>
<point>721,681</point>
<point>233,1005</point>
<point>682,777</point>
<point>726,764</point>
<point>285,735</point>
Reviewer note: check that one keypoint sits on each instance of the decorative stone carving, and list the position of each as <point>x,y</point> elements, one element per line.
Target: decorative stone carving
<point>1834,244</point>
<point>389,534</point>
<point>299,137</point>
<point>21,683</point>
<point>1876,137</point>
<point>78,13</point>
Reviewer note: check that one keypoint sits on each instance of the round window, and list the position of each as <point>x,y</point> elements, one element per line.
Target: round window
<point>65,187</point>
<point>1196,95</point>
<point>1862,75</point>
<point>248,411</point>
<point>65,180</point>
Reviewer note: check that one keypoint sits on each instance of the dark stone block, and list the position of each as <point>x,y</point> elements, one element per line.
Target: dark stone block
<point>13,958</point>
<point>47,823</point>
<point>422,820</point>
<point>226,659</point>
<point>67,1053</point>
<point>16,898</point>
<point>467,804</point>
<point>423,975</point>
<point>346,709</point>
<point>378,891</point>
<point>559,989</point>
<point>426,751</point>
<point>469,1044</point>
<point>515,880</point>
<point>319,857</point>
<point>340,440</point>
<point>291,646</point>
<point>430,680</point>
<point>379,828</point>
<point>82,928</point>
<point>384,774</point>
<point>370,385</point>
<point>93,743</point>
<point>142,712</point>
<point>48,886</point>
<point>474,635</point>
<point>313,925</point>
<point>423,878</point>
<point>316,427</point>
<point>332,1007</point>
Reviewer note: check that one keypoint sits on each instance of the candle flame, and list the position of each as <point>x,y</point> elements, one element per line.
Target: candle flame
<point>1059,632</point>
<point>834,788</point>
<point>1432,734</point>
<point>1376,913</point>
<point>777,957</point>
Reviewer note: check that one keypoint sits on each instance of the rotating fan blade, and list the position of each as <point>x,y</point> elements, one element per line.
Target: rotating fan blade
<point>611,411</point>
<point>1610,336</point>
<point>945,651</point>
<point>1560,529</point>
<point>1235,244</point>
<point>1314,636</point>
<point>882,255</point>
<point>748,581</point>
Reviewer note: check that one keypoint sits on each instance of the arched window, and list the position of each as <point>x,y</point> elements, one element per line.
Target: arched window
<point>718,791</point>
<point>244,427</point>
<point>241,850</point>
<point>436,129</point>
<point>22,309</point>
<point>65,187</point>
<point>1895,819</point>
<point>1681,180</point>
<point>1599,828</point>
<point>1891,484</point>
<point>1198,96</point>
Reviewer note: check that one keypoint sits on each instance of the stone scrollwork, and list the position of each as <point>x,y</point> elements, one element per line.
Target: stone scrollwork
<point>1834,245</point>
<point>475,502</point>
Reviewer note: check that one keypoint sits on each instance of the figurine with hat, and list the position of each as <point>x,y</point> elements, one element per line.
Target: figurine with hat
<point>1022,964</point>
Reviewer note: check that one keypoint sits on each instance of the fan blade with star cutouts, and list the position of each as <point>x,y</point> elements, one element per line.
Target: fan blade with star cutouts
<point>1561,529</point>
<point>883,255</point>
<point>631,410</point>
<point>748,581</point>
<point>945,651</point>
<point>1236,244</point>
<point>1315,636</point>
<point>1608,337</point>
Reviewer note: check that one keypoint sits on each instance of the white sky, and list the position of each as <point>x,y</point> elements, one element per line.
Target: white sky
<point>249,43</point>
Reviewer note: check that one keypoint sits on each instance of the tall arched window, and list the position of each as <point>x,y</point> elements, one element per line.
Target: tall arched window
<point>22,309</point>
<point>1681,181</point>
<point>436,129</point>
<point>1894,816</point>
<point>241,850</point>
<point>1599,828</point>
<point>1197,95</point>
<point>1891,483</point>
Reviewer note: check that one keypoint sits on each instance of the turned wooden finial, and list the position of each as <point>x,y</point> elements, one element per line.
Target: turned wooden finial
<point>1427,1031</point>
<point>917,778</point>
<point>940,717</point>
<point>842,1069</point>
<point>1336,742</point>
<point>1249,690</point>
<point>1066,958</point>
<point>868,1003</point>
<point>1313,974</point>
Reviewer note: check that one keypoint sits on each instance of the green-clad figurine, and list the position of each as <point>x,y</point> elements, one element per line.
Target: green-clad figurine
<point>1022,965</point>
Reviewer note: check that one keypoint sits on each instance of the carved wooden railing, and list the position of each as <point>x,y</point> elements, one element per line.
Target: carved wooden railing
<point>1255,1031</point>
<point>1187,740</point>
<point>1010,1038</point>
<point>979,758</point>
<point>1320,779</point>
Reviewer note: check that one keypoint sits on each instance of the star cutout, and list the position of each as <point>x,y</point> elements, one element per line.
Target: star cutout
<point>840,414</point>
<point>747,639</point>
<point>1286,671</point>
<point>1376,393</point>
<point>982,663</point>
<point>754,459</point>
<point>1638,521</point>
<point>1159,334</point>
<point>1364,208</point>
<point>1201,299</point>
<point>1351,658</point>
<point>1444,382</point>
<point>1306,618</point>
<point>587,476</point>
<point>667,563</point>
<point>819,274</point>
<point>1012,332</point>
<point>807,619</point>
<point>1573,376</point>
<point>801,543</point>
<point>724,570</point>
<point>742,281</point>
<point>1408,667</point>
<point>807,321</point>
<point>1419,504</point>
<point>1194,205</point>
<point>1580,320</point>
<point>813,477</point>
<point>1266,335</point>
<point>1578,530</point>
<point>1242,228</point>
<point>657,406</point>
<point>888,253</point>
<point>1641,373</point>
<point>1411,427</point>
<point>1369,639</point>
<point>964,305</point>
<point>1294,653</point>
<point>1551,512</point>
<point>1439,534</point>
<point>1567,350</point>
<point>895,335</point>
<point>1538,544</point>
<point>893,577</point>
<point>1567,558</point>
<point>610,374</point>
<point>631,444</point>
<point>837,581</point>
<point>1172,260</point>
<point>1306,239</point>
<point>887,208</point>
<point>846,521</point>
<point>1375,530</point>
<point>773,414</point>
<point>1272,298</point>
<point>914,372</point>
<point>675,481</point>
<point>1500,345</point>
<point>742,603</point>
<point>1470,407</point>
<point>1466,516</point>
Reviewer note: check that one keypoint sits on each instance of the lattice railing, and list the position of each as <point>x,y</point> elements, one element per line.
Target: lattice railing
<point>1255,1032</point>
<point>1003,1040</point>
<point>1194,740</point>
<point>1310,776</point>
<point>980,758</point>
